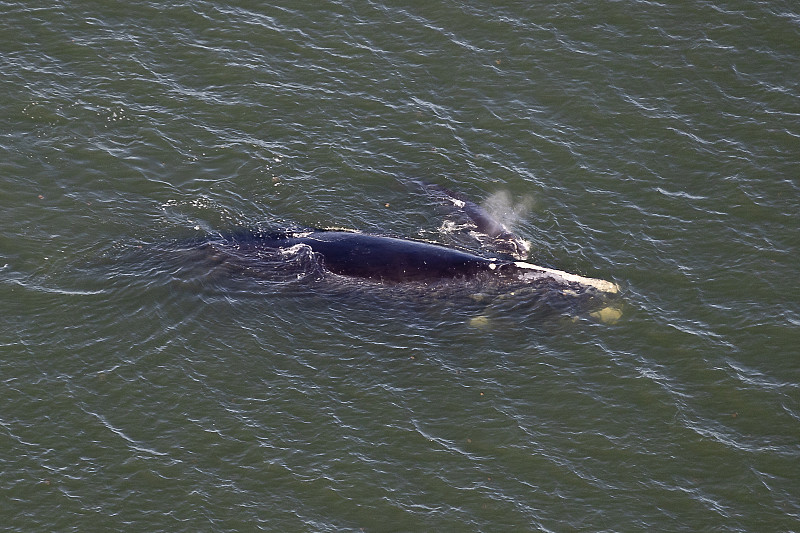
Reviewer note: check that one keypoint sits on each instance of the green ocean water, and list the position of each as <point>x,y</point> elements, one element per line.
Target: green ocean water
<point>147,386</point>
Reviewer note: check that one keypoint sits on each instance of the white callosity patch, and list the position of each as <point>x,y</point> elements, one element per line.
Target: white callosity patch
<point>566,277</point>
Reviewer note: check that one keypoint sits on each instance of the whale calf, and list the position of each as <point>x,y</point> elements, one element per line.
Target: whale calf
<point>499,236</point>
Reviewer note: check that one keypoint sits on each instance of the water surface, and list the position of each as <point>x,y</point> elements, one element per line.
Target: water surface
<point>146,388</point>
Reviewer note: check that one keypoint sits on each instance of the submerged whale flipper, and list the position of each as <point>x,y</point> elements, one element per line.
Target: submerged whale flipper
<point>487,227</point>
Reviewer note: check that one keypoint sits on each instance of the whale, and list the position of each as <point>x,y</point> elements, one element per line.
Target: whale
<point>390,259</point>
<point>486,226</point>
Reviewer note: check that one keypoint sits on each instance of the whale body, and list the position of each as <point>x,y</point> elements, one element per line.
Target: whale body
<point>397,260</point>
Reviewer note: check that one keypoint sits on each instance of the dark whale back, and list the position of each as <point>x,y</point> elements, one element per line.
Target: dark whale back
<point>384,258</point>
<point>396,260</point>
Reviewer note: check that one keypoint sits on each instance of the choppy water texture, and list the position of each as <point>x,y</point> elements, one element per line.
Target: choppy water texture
<point>146,388</point>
